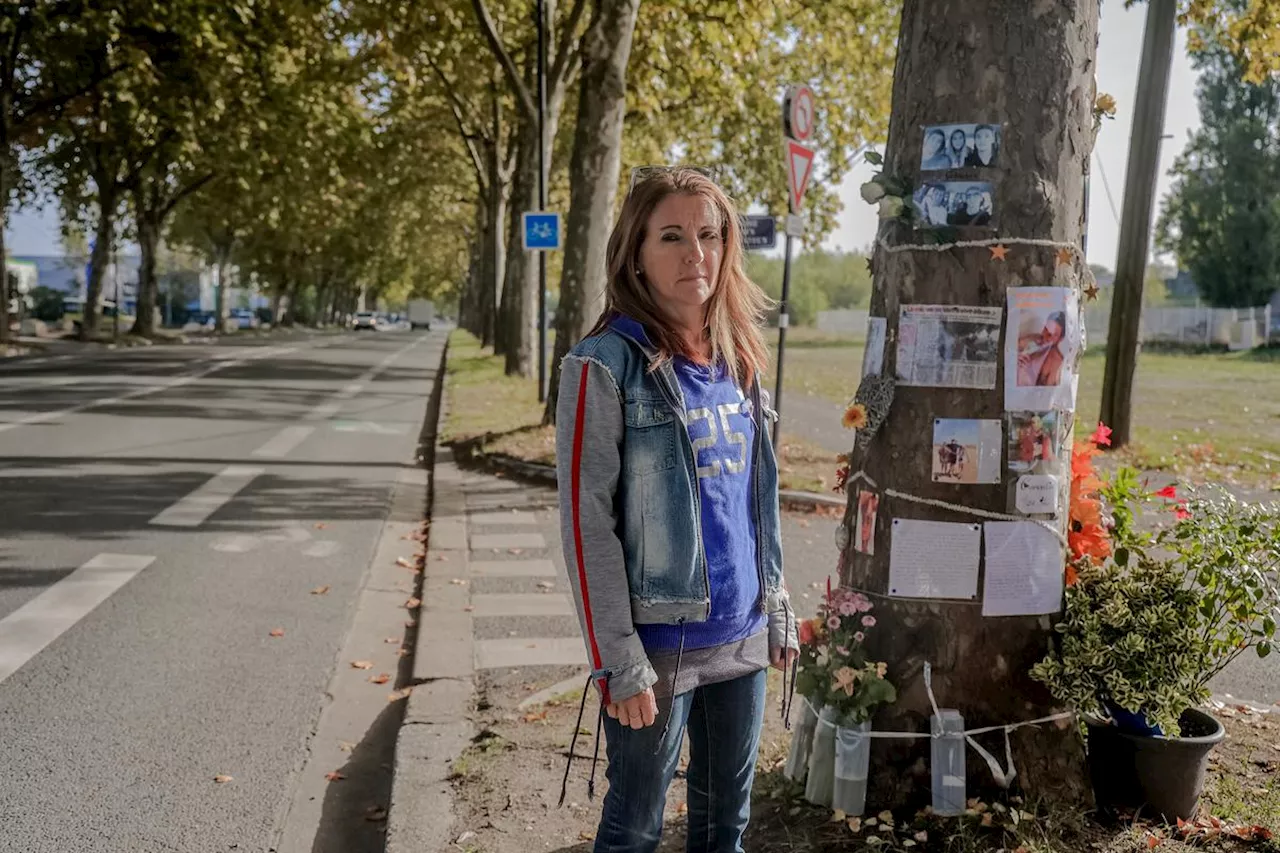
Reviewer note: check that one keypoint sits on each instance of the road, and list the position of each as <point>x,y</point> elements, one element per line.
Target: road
<point>162,512</point>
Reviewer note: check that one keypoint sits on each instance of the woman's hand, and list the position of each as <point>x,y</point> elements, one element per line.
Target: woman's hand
<point>775,657</point>
<point>636,711</point>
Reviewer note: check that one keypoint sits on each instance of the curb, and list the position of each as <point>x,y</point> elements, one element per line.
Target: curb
<point>470,454</point>
<point>436,728</point>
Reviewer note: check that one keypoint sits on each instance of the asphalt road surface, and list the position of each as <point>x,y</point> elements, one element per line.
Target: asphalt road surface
<point>162,512</point>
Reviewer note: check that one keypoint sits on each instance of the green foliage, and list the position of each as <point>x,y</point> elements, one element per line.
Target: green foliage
<point>820,279</point>
<point>1148,629</point>
<point>1222,215</point>
<point>47,304</point>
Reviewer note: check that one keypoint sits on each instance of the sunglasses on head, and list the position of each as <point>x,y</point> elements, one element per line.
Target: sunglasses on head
<point>642,173</point>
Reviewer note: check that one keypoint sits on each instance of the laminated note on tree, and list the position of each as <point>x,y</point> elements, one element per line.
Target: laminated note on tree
<point>949,346</point>
<point>934,559</point>
<point>1041,349</point>
<point>1024,569</point>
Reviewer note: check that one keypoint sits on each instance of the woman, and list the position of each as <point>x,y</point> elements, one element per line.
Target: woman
<point>958,151</point>
<point>1040,357</point>
<point>669,509</point>
<point>934,157</point>
<point>986,150</point>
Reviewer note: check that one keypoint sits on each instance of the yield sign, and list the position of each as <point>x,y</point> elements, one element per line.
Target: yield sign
<point>799,170</point>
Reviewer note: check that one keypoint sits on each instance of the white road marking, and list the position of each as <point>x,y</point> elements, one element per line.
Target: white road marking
<point>284,442</point>
<point>333,405</point>
<point>175,382</point>
<point>192,510</point>
<point>370,427</point>
<point>36,624</point>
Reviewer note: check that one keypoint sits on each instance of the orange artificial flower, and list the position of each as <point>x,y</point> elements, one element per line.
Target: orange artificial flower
<point>1073,577</point>
<point>1091,542</point>
<point>855,417</point>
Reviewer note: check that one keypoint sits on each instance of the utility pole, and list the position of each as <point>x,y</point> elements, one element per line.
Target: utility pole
<point>542,198</point>
<point>1135,218</point>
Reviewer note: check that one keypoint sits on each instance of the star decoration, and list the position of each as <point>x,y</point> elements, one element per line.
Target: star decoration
<point>1091,290</point>
<point>998,253</point>
<point>1064,256</point>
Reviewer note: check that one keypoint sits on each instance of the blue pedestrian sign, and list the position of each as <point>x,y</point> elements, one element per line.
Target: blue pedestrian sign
<point>541,231</point>
<point>759,232</point>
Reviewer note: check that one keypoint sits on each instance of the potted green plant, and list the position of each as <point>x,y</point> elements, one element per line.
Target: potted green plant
<point>1153,613</point>
<point>842,688</point>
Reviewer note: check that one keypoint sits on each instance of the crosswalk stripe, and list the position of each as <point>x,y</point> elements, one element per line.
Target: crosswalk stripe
<point>283,442</point>
<point>192,510</point>
<point>36,624</point>
<point>531,651</point>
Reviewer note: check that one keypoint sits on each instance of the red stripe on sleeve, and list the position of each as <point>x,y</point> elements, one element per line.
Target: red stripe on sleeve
<point>579,430</point>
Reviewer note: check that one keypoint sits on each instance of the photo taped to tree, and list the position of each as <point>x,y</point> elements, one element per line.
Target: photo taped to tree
<point>963,204</point>
<point>960,146</point>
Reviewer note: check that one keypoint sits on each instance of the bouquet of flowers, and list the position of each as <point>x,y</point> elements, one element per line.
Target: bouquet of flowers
<point>834,669</point>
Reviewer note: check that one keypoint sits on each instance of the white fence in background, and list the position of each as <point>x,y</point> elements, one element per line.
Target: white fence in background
<point>843,321</point>
<point>1234,328</point>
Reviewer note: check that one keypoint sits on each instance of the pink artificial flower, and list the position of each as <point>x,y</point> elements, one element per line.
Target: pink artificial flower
<point>842,651</point>
<point>834,623</point>
<point>863,603</point>
<point>868,621</point>
<point>859,637</point>
<point>848,608</point>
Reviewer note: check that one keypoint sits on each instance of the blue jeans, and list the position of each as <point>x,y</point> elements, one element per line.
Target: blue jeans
<point>724,722</point>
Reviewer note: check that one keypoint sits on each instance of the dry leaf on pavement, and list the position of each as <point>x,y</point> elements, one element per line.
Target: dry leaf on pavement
<point>405,562</point>
<point>380,678</point>
<point>221,779</point>
<point>375,813</point>
<point>586,836</point>
<point>533,718</point>
<point>346,746</point>
<point>362,664</point>
<point>320,590</point>
<point>412,603</point>
<point>390,640</point>
<point>397,695</point>
<point>404,653</point>
<point>458,582</point>
<point>334,776</point>
<point>277,632</point>
<point>320,525</point>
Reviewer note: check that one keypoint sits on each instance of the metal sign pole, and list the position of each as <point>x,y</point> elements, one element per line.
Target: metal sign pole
<point>783,322</point>
<point>542,201</point>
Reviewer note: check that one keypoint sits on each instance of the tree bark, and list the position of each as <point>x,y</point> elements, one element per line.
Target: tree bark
<point>593,177</point>
<point>494,252</point>
<point>514,337</point>
<point>148,237</point>
<point>222,255</point>
<point>99,259</point>
<point>4,258</point>
<point>1029,66</point>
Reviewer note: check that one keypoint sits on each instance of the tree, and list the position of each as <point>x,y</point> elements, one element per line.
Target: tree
<point>593,174</point>
<point>1221,217</point>
<point>1031,68</point>
<point>42,78</point>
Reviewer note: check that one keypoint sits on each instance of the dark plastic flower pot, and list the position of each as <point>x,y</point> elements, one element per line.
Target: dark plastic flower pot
<point>1158,776</point>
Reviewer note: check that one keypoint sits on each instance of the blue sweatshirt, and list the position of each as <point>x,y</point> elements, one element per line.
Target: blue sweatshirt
<point>718,418</point>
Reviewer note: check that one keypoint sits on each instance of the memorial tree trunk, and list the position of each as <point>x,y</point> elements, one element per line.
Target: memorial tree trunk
<point>1027,65</point>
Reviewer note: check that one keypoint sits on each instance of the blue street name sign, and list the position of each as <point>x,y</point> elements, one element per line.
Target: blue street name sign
<point>541,231</point>
<point>759,232</point>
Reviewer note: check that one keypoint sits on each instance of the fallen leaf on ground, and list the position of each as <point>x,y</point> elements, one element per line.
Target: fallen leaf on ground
<point>404,653</point>
<point>390,640</point>
<point>277,632</point>
<point>409,623</point>
<point>412,603</point>
<point>405,562</point>
<point>380,678</point>
<point>440,558</point>
<point>458,582</point>
<point>516,551</point>
<point>362,664</point>
<point>465,837</point>
<point>397,695</point>
<point>222,779</point>
<point>320,525</point>
<point>586,836</point>
<point>346,746</point>
<point>334,776</point>
<point>320,590</point>
<point>471,607</point>
<point>546,585</point>
<point>375,813</point>
<point>533,718</point>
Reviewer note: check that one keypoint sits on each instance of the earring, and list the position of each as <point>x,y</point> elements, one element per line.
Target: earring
<point>639,272</point>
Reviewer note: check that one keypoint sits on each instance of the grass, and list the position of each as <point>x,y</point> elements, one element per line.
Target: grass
<point>1210,416</point>
<point>503,416</point>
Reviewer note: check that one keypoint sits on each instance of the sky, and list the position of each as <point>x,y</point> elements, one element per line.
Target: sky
<point>1119,51</point>
<point>36,232</point>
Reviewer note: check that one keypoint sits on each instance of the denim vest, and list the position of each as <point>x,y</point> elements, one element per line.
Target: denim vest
<point>658,500</point>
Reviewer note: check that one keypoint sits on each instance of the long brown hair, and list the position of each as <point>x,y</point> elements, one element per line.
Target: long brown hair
<point>735,311</point>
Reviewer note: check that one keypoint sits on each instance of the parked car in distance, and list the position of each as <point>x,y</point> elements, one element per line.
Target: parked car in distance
<point>365,320</point>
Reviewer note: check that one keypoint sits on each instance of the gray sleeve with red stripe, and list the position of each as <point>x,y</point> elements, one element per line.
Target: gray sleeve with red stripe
<point>589,430</point>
